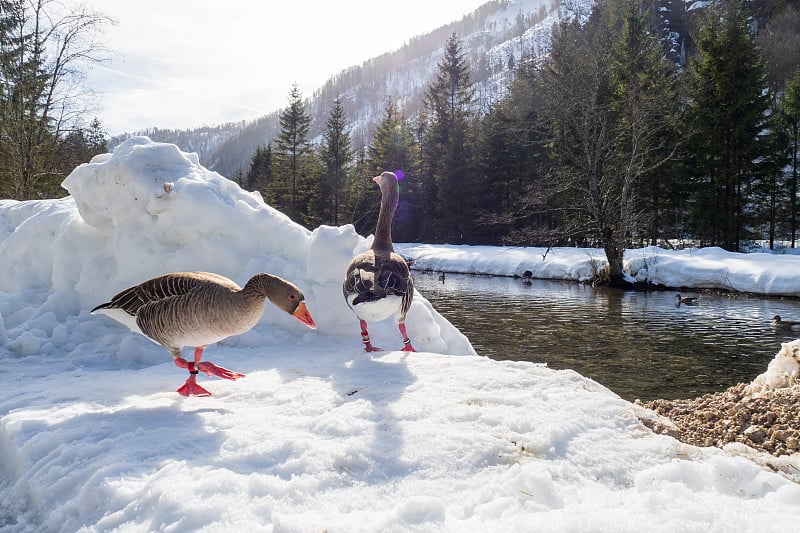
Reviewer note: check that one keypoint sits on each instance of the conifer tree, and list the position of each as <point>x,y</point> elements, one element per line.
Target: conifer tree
<point>259,176</point>
<point>394,149</point>
<point>336,157</point>
<point>448,186</point>
<point>646,111</point>
<point>512,160</point>
<point>292,149</point>
<point>728,106</point>
<point>75,148</point>
<point>791,122</point>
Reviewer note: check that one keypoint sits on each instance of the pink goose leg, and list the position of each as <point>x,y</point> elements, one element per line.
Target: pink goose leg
<point>368,347</point>
<point>191,388</point>
<point>406,341</point>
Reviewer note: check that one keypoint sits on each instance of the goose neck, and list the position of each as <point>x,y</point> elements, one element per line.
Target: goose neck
<point>383,230</point>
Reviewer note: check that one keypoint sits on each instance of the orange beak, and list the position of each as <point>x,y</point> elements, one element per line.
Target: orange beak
<point>302,314</point>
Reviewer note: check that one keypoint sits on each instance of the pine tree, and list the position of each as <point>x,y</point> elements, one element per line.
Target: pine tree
<point>791,122</point>
<point>728,105</point>
<point>448,187</point>
<point>75,148</point>
<point>259,176</point>
<point>292,149</point>
<point>394,149</point>
<point>336,156</point>
<point>512,164</point>
<point>646,111</point>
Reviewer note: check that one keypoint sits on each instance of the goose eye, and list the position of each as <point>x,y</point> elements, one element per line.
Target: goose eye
<point>293,297</point>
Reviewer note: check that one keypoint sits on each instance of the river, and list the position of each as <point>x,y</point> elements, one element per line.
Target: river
<point>638,344</point>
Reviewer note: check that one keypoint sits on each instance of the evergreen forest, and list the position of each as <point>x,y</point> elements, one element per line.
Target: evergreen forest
<point>607,141</point>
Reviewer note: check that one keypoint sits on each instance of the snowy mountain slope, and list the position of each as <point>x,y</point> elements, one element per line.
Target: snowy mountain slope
<point>490,36</point>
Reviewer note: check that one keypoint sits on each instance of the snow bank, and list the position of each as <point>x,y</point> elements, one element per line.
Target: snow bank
<point>320,435</point>
<point>149,209</point>
<point>710,268</point>
<point>579,264</point>
<point>343,441</point>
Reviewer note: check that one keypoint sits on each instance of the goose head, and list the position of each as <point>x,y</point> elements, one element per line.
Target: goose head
<point>283,294</point>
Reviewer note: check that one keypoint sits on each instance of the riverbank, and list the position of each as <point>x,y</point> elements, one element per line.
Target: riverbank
<point>761,418</point>
<point>764,274</point>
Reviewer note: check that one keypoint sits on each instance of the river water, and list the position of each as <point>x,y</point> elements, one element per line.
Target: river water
<point>638,344</point>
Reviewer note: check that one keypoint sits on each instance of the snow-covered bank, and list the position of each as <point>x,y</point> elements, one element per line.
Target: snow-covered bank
<point>703,268</point>
<point>319,435</point>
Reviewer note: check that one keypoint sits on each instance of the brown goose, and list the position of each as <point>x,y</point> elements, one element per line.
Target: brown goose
<point>378,283</point>
<point>686,300</point>
<point>200,308</point>
<point>785,325</point>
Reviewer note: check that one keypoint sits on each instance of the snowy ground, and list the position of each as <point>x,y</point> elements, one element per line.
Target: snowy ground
<point>319,435</point>
<point>711,268</point>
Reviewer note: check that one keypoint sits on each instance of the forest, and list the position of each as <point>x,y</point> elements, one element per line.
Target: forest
<point>610,140</point>
<point>606,142</point>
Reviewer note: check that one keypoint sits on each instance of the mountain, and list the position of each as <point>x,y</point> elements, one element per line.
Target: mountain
<point>494,37</point>
<point>491,36</point>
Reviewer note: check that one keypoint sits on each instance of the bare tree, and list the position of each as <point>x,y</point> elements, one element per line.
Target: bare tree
<point>45,48</point>
<point>609,90</point>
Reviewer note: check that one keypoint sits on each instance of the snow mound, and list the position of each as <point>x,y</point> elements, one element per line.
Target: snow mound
<point>781,372</point>
<point>149,209</point>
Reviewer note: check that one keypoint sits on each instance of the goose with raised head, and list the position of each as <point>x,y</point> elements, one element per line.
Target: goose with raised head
<point>200,308</point>
<point>378,283</point>
<point>784,325</point>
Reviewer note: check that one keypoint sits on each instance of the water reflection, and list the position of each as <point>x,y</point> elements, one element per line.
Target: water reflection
<point>638,344</point>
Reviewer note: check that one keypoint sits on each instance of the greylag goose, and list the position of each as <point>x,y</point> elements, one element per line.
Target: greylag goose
<point>442,277</point>
<point>200,308</point>
<point>785,325</point>
<point>686,300</point>
<point>378,283</point>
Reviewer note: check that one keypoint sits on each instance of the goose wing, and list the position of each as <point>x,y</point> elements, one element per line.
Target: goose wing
<point>373,276</point>
<point>131,300</point>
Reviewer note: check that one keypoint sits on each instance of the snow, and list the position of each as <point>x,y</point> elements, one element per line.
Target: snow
<point>319,435</point>
<point>781,372</point>
<point>709,268</point>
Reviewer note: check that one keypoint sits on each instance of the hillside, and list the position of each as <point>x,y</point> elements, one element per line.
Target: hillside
<point>491,36</point>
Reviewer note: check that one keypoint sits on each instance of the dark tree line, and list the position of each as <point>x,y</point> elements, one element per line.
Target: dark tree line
<point>606,142</point>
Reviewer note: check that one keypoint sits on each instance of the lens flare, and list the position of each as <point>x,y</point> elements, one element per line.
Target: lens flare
<point>400,174</point>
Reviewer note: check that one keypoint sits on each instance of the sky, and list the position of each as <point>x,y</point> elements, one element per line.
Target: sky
<point>188,63</point>
<point>320,435</point>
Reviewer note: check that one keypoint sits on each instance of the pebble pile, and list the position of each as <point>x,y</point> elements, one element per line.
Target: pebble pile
<point>768,421</point>
<point>763,414</point>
